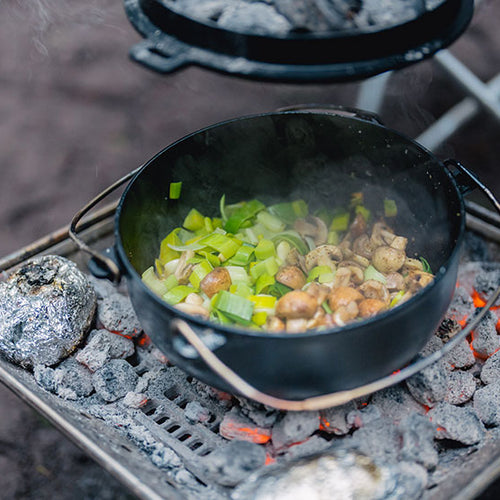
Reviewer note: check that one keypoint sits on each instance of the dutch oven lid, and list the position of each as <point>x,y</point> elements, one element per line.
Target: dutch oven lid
<point>173,39</point>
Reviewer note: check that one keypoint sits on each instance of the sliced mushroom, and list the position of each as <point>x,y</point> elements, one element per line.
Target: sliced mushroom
<point>416,280</point>
<point>291,276</point>
<point>394,281</point>
<point>313,227</point>
<point>363,246</point>
<point>357,275</point>
<point>412,265</point>
<point>296,304</point>
<point>358,226</point>
<point>342,277</point>
<point>342,296</point>
<point>294,258</point>
<point>382,234</point>
<point>370,307</point>
<point>373,289</point>
<point>324,255</point>
<point>183,269</point>
<point>387,259</point>
<point>216,280</point>
<point>194,309</point>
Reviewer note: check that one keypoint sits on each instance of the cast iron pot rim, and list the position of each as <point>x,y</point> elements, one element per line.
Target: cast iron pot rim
<point>237,330</point>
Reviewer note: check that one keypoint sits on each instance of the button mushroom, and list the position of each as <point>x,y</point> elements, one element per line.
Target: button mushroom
<point>324,255</point>
<point>291,276</point>
<point>215,281</point>
<point>297,325</point>
<point>342,296</point>
<point>387,259</point>
<point>296,304</point>
<point>370,307</point>
<point>314,228</point>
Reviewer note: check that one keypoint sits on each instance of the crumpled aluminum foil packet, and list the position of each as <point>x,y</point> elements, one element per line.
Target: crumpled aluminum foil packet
<point>46,310</point>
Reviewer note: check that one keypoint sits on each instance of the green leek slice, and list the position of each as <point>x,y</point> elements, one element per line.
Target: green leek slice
<point>372,274</point>
<point>248,210</point>
<point>233,306</point>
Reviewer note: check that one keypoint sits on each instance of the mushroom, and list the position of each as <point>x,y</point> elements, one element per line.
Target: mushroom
<point>394,281</point>
<point>382,234</point>
<point>313,227</point>
<point>345,313</point>
<point>194,309</point>
<point>358,226</point>
<point>373,289</point>
<point>342,277</point>
<point>399,243</point>
<point>296,325</point>
<point>295,258</point>
<point>355,258</point>
<point>193,298</point>
<point>275,324</point>
<point>216,280</point>
<point>370,307</point>
<point>387,259</point>
<point>318,319</point>
<point>363,246</point>
<point>324,255</point>
<point>296,304</point>
<point>357,275</point>
<point>291,276</point>
<point>342,296</point>
<point>319,292</point>
<point>183,269</point>
<point>416,280</point>
<point>412,265</point>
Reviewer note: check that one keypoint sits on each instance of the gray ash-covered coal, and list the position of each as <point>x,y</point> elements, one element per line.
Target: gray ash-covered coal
<point>395,443</point>
<point>281,17</point>
<point>46,309</point>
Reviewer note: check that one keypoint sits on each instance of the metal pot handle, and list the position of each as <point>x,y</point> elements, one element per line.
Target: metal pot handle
<point>465,178</point>
<point>327,400</point>
<point>335,109</point>
<point>107,264</point>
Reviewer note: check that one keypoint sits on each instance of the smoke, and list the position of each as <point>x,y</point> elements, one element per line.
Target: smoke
<point>46,16</point>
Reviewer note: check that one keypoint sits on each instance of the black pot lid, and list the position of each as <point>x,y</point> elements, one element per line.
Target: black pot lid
<point>173,40</point>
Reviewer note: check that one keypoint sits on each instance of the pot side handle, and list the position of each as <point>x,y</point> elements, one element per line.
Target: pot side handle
<point>467,181</point>
<point>326,400</point>
<point>107,265</point>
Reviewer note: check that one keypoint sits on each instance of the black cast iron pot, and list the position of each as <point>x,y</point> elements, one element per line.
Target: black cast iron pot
<point>322,158</point>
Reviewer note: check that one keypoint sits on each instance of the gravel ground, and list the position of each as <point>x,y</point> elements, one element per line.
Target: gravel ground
<point>77,115</point>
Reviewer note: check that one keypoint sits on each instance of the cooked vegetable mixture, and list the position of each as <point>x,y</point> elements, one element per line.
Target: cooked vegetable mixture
<point>281,268</point>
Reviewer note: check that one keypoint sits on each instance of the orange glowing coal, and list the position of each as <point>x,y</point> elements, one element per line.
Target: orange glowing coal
<point>232,430</point>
